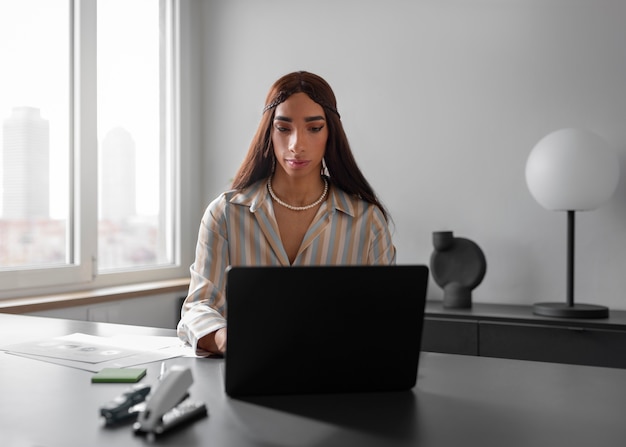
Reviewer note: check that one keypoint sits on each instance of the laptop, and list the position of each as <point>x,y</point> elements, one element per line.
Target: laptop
<point>323,329</point>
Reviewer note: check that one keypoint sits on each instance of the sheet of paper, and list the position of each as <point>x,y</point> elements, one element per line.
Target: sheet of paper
<point>143,342</point>
<point>135,360</point>
<point>92,353</point>
<point>76,347</point>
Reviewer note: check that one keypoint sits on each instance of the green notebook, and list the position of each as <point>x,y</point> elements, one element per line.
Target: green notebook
<point>130,375</point>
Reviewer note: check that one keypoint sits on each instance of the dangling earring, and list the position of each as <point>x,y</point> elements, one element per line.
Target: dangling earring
<point>324,168</point>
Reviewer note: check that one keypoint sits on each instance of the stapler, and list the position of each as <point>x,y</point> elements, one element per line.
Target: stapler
<point>168,405</point>
<point>126,406</point>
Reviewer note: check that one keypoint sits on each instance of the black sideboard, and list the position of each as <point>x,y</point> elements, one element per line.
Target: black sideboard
<point>513,331</point>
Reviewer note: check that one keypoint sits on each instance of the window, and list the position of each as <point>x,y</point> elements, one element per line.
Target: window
<point>35,112</point>
<point>89,156</point>
<point>135,163</point>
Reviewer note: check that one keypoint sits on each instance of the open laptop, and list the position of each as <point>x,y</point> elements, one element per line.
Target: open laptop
<point>323,329</point>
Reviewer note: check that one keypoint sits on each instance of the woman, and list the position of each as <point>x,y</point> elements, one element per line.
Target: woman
<point>298,198</point>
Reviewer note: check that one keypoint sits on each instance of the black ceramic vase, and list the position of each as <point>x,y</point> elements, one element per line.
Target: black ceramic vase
<point>458,266</point>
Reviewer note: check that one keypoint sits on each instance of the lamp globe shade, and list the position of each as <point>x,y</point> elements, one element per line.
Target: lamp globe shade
<point>572,169</point>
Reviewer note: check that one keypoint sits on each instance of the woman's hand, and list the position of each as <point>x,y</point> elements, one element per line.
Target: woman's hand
<point>215,342</point>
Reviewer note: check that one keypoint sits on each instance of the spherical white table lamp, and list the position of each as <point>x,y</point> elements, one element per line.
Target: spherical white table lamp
<point>572,170</point>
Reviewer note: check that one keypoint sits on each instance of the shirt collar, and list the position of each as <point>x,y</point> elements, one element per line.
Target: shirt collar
<point>254,196</point>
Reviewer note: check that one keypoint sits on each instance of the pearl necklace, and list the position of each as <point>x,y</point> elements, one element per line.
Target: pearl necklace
<point>297,208</point>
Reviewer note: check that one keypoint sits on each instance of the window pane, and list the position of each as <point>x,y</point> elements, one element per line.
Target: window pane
<point>132,136</point>
<point>35,44</point>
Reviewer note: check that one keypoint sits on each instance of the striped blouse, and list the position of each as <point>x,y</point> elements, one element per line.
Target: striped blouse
<point>239,228</point>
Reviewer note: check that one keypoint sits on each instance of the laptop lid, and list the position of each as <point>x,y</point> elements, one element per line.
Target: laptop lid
<point>323,329</point>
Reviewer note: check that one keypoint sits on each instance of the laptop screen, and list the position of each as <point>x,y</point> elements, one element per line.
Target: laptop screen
<point>323,329</point>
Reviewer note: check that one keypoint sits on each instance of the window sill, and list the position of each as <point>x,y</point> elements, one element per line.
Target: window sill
<point>105,294</point>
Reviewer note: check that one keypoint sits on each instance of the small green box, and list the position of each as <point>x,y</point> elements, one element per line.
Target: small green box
<point>128,375</point>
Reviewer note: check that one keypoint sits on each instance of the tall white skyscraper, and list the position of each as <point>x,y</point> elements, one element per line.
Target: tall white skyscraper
<point>117,176</point>
<point>26,165</point>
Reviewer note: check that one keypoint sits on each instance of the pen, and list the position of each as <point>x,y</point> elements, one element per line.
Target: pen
<point>163,369</point>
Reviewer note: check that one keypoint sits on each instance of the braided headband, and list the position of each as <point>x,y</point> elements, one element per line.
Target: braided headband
<point>282,96</point>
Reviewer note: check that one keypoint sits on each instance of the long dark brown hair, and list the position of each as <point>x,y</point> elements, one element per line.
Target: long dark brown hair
<point>342,168</point>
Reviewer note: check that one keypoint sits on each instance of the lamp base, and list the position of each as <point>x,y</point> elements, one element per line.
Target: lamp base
<point>564,310</point>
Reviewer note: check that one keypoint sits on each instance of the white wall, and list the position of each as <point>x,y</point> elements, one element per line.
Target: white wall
<point>442,101</point>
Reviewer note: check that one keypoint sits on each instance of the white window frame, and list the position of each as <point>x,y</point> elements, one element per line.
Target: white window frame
<point>81,273</point>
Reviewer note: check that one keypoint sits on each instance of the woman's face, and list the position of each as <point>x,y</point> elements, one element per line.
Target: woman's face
<point>299,134</point>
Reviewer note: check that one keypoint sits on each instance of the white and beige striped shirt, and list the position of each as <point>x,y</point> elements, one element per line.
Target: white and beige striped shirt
<point>239,228</point>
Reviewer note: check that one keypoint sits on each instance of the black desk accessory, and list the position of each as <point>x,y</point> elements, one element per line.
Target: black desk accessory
<point>458,266</point>
<point>125,408</point>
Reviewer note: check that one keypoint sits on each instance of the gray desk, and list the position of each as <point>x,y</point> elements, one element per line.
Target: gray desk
<point>458,401</point>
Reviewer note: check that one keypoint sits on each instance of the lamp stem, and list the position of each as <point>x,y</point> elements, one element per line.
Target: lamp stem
<point>569,309</point>
<point>570,257</point>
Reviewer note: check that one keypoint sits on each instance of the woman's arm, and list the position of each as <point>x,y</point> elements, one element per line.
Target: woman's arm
<point>214,342</point>
<point>204,310</point>
<point>381,251</point>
